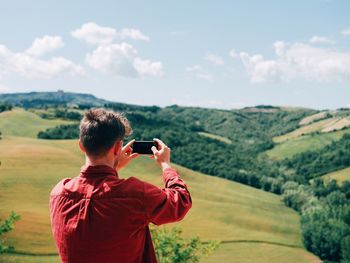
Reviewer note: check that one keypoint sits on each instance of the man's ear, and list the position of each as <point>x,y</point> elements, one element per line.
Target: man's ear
<point>81,146</point>
<point>118,147</point>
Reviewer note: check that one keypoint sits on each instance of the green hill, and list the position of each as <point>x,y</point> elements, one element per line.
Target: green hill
<point>19,122</point>
<point>254,225</point>
<point>310,142</point>
<point>34,99</point>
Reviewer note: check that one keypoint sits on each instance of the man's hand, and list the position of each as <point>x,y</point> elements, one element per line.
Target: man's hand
<point>162,154</point>
<point>126,155</point>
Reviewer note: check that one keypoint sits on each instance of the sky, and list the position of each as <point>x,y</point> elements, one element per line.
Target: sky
<point>215,54</point>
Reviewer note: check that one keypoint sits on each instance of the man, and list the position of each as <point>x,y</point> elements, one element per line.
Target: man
<point>99,217</point>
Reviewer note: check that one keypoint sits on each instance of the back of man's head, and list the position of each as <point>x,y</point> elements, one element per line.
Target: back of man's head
<point>100,129</point>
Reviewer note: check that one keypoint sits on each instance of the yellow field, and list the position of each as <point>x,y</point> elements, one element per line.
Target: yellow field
<point>254,224</point>
<point>313,127</point>
<point>215,137</point>
<point>340,176</point>
<point>312,118</point>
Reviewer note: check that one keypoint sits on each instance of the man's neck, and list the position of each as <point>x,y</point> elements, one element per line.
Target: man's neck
<point>99,161</point>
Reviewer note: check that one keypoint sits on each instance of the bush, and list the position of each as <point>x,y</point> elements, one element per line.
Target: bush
<point>70,131</point>
<point>170,247</point>
<point>5,227</point>
<point>5,107</point>
<point>345,248</point>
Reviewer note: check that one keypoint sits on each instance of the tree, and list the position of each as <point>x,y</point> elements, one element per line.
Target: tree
<point>5,227</point>
<point>170,247</point>
<point>345,248</point>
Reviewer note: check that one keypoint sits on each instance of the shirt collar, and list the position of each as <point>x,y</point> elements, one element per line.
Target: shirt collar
<point>97,171</point>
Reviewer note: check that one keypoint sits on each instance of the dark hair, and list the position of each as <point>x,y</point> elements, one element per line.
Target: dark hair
<point>100,129</point>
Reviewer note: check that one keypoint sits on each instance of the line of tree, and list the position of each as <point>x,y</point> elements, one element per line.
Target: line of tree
<point>325,217</point>
<point>5,106</point>
<point>68,131</point>
<point>332,157</point>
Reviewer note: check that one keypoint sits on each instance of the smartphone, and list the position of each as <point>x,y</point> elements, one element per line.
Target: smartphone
<point>143,147</point>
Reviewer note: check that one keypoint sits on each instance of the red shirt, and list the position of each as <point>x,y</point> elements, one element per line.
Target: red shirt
<point>99,217</point>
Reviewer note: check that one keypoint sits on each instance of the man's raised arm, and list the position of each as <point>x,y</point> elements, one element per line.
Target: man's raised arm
<point>171,203</point>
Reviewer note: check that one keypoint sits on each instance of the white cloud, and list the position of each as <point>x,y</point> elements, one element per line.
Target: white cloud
<point>27,65</point>
<point>298,60</point>
<point>122,60</point>
<point>321,40</point>
<point>99,35</point>
<point>215,59</point>
<point>44,45</point>
<point>233,53</point>
<point>94,34</point>
<point>346,32</point>
<point>147,67</point>
<point>133,34</point>
<point>199,72</point>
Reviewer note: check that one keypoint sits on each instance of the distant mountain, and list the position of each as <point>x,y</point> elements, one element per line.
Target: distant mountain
<point>60,97</point>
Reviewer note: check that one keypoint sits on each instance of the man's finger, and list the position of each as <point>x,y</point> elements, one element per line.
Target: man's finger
<point>129,144</point>
<point>134,155</point>
<point>160,143</point>
<point>154,149</point>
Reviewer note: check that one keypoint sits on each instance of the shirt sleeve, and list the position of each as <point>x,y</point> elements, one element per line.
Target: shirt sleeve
<point>168,204</point>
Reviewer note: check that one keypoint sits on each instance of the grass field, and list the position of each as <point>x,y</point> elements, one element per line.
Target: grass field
<point>304,143</point>
<point>255,225</point>
<point>19,122</point>
<point>340,176</point>
<point>313,127</point>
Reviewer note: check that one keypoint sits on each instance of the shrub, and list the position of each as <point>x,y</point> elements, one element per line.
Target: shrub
<point>5,227</point>
<point>171,247</point>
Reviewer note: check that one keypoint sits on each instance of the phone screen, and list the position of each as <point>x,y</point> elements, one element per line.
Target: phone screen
<point>143,147</point>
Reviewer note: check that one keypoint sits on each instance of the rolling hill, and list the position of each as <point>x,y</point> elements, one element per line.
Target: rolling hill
<point>30,99</point>
<point>310,142</point>
<point>253,225</point>
<point>20,122</point>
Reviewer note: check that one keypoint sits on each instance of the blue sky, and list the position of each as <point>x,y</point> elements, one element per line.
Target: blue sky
<point>221,54</point>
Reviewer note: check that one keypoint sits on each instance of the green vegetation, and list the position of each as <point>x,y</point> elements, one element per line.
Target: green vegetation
<point>171,247</point>
<point>332,157</point>
<point>19,122</point>
<point>222,211</point>
<point>6,227</point>
<point>311,128</point>
<point>310,142</point>
<point>340,176</point>
<point>241,218</point>
<point>215,137</point>
<point>5,106</point>
<point>51,99</point>
<point>325,217</point>
<point>70,131</point>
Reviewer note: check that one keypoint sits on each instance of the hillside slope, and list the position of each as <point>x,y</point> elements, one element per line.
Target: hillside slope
<point>19,122</point>
<point>253,222</point>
